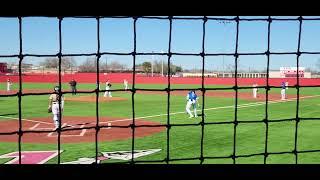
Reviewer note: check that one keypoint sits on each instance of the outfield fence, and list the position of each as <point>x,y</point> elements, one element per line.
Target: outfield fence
<point>142,79</point>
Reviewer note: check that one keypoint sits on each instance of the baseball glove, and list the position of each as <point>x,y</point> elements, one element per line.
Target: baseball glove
<point>49,109</point>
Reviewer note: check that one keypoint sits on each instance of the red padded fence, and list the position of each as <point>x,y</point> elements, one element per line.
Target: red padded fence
<point>141,79</point>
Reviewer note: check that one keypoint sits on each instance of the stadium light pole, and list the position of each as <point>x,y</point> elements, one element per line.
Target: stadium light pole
<point>162,65</point>
<point>224,22</point>
<point>223,66</point>
<point>152,64</point>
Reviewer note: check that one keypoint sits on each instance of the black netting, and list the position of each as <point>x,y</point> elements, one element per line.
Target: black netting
<point>168,89</point>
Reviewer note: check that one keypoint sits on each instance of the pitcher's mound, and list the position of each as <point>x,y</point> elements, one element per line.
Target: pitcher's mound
<point>92,98</point>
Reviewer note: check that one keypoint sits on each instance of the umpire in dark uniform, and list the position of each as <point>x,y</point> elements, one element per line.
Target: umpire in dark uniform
<point>73,85</point>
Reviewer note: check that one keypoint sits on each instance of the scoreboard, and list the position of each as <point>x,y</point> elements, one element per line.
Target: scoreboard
<point>287,72</point>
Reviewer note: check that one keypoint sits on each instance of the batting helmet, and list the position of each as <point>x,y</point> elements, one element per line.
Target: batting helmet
<point>56,88</point>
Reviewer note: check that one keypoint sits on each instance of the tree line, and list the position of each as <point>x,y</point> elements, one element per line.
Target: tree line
<point>66,63</point>
<point>159,68</point>
<point>90,65</point>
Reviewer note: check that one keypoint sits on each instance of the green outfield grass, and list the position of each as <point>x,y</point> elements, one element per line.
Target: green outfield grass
<point>185,142</point>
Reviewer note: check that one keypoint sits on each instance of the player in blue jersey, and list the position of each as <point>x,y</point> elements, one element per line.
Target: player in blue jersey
<point>195,103</point>
<point>192,100</point>
<point>189,104</point>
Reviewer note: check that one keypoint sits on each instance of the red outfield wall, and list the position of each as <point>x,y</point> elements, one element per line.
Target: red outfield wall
<point>119,77</point>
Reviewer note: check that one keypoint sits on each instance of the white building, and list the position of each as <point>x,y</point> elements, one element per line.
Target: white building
<point>283,72</point>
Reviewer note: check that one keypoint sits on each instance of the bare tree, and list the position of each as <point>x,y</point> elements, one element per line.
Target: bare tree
<point>89,65</point>
<point>112,66</point>
<point>115,65</point>
<point>50,63</point>
<point>66,63</point>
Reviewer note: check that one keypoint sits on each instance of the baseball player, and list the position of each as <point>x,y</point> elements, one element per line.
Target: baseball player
<point>9,84</point>
<point>108,87</point>
<point>73,85</point>
<point>283,91</point>
<point>255,90</point>
<point>189,104</point>
<point>125,83</point>
<point>191,101</point>
<point>98,86</point>
<point>195,103</point>
<point>287,84</point>
<point>54,106</point>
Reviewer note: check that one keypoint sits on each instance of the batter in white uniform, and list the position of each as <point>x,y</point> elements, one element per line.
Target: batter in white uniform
<point>54,104</point>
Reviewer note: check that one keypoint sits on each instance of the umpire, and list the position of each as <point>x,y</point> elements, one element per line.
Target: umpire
<point>73,85</point>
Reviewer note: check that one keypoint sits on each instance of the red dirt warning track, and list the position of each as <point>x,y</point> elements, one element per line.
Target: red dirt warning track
<point>76,136</point>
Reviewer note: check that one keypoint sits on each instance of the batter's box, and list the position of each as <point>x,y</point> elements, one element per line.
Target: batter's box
<point>42,126</point>
<point>47,126</point>
<point>72,133</point>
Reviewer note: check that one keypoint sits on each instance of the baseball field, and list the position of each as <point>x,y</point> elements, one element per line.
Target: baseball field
<point>115,142</point>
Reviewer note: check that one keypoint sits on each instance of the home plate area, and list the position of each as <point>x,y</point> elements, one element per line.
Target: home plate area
<point>73,133</point>
<point>36,129</point>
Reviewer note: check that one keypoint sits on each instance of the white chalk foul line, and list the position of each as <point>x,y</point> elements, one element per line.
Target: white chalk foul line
<point>182,112</point>
<point>215,108</point>
<point>35,126</point>
<point>30,120</point>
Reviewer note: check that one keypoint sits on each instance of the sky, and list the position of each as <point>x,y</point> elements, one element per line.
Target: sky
<point>40,36</point>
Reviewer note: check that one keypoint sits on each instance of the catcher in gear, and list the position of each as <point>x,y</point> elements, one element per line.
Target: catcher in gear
<point>54,100</point>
